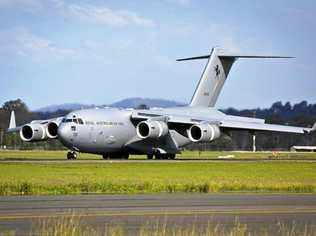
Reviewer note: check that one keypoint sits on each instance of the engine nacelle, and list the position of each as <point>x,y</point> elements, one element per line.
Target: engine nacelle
<point>151,129</point>
<point>52,129</point>
<point>204,132</point>
<point>33,132</point>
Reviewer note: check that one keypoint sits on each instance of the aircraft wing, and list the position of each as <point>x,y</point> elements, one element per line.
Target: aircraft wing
<point>237,125</point>
<point>227,122</point>
<point>13,128</point>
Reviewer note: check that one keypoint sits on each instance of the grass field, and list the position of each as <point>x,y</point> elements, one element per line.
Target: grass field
<point>75,225</point>
<point>150,177</point>
<point>61,155</point>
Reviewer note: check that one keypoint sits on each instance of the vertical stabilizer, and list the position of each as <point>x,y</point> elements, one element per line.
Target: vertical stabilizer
<point>12,124</point>
<point>214,76</point>
<point>212,79</point>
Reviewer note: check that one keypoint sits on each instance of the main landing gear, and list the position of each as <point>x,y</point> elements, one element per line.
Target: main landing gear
<point>160,156</point>
<point>108,156</point>
<point>72,155</point>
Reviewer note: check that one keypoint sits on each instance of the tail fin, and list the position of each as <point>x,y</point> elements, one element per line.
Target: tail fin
<point>214,76</point>
<point>12,124</point>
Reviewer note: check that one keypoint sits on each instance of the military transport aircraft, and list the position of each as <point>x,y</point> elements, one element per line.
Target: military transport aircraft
<point>159,133</point>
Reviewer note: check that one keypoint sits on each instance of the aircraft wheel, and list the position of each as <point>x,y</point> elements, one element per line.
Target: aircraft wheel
<point>150,156</point>
<point>160,156</point>
<point>71,156</point>
<point>105,156</point>
<point>171,156</point>
<point>125,156</point>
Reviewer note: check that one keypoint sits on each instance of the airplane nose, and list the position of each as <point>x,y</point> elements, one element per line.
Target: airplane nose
<point>63,133</point>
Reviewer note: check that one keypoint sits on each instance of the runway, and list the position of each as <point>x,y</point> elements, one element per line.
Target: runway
<point>20,213</point>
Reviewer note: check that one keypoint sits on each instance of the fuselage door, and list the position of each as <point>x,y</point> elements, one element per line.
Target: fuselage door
<point>76,128</point>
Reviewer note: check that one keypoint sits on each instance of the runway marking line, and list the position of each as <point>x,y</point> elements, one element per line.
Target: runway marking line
<point>152,213</point>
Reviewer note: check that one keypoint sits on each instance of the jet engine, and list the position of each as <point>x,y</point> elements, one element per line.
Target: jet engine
<point>51,129</point>
<point>204,132</point>
<point>33,132</point>
<point>151,129</point>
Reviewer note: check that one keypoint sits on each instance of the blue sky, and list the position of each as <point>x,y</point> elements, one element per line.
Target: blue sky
<point>98,52</point>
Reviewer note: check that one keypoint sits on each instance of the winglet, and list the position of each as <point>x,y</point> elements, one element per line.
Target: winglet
<point>313,128</point>
<point>12,124</point>
<point>310,130</point>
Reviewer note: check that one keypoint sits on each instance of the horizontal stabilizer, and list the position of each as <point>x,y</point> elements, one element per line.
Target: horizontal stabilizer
<point>215,73</point>
<point>230,56</point>
<point>194,58</point>
<point>251,56</point>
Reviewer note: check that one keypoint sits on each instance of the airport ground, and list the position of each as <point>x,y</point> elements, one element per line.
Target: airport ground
<point>216,192</point>
<point>160,214</point>
<point>49,173</point>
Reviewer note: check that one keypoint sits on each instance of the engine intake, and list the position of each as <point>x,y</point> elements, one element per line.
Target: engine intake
<point>204,133</point>
<point>151,129</point>
<point>33,132</point>
<point>52,129</point>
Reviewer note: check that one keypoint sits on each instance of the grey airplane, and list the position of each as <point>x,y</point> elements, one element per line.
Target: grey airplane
<point>157,133</point>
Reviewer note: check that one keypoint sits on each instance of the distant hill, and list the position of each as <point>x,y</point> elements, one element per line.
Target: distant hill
<point>66,106</point>
<point>135,102</point>
<point>125,103</point>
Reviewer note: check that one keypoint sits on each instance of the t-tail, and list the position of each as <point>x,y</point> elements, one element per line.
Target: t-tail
<point>214,75</point>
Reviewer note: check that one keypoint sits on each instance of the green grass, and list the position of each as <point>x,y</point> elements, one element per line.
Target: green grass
<point>152,177</point>
<point>246,155</point>
<point>61,155</point>
<point>38,155</point>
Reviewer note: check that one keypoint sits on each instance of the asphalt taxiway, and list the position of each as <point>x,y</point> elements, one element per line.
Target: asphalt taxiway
<point>20,213</point>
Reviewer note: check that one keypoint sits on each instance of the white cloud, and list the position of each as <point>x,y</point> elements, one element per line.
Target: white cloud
<point>105,16</point>
<point>29,42</point>
<point>97,14</point>
<point>24,43</point>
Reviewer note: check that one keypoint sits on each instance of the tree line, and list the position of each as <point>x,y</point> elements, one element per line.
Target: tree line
<point>300,114</point>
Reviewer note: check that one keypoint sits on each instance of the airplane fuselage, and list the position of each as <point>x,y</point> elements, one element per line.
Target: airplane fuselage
<point>108,130</point>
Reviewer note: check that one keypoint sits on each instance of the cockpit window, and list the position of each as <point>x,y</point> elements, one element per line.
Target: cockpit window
<point>77,121</point>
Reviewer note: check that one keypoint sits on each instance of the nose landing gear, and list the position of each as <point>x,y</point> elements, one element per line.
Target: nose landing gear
<point>72,155</point>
